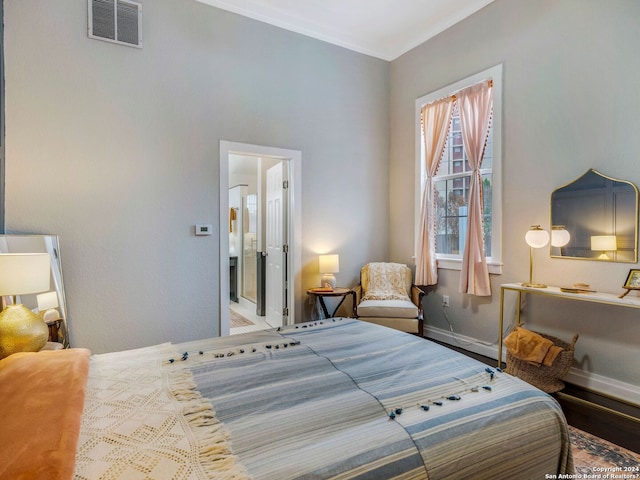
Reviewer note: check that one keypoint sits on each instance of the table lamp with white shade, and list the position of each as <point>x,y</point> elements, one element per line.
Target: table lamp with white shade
<point>604,244</point>
<point>48,305</point>
<point>328,265</point>
<point>21,330</point>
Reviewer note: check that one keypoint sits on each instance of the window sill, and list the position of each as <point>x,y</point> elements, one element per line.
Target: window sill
<point>495,268</point>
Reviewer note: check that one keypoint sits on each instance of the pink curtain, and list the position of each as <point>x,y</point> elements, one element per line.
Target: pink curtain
<point>436,118</point>
<point>475,107</point>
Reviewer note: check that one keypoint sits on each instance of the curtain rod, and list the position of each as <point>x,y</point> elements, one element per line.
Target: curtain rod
<point>453,95</point>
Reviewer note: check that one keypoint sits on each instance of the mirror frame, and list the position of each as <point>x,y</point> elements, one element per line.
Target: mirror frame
<point>635,218</point>
<point>57,280</point>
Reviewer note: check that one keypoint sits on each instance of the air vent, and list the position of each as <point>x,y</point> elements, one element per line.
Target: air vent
<point>116,21</point>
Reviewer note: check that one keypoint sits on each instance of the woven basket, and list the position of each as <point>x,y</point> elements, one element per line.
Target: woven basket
<point>545,378</point>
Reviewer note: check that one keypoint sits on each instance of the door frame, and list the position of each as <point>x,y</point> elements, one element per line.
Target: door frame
<point>294,217</point>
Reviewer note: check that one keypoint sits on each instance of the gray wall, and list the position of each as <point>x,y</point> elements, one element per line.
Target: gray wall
<point>570,102</point>
<point>115,149</point>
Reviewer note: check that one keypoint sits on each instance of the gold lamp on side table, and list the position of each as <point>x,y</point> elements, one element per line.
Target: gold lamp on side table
<point>21,330</point>
<point>536,237</point>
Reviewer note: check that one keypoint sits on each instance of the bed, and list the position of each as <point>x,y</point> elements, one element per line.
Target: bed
<point>337,398</point>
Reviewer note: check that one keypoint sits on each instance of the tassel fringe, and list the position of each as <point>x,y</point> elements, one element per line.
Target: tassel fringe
<point>216,455</point>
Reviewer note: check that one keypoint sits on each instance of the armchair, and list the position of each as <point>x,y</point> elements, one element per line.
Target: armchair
<point>386,296</point>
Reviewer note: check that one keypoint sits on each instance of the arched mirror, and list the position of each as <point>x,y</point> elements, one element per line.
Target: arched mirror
<point>51,305</point>
<point>595,218</point>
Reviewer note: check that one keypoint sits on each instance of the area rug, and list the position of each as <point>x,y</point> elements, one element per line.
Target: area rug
<point>590,454</point>
<point>237,320</point>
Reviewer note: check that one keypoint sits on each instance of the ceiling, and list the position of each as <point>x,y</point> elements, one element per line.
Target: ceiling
<point>381,28</point>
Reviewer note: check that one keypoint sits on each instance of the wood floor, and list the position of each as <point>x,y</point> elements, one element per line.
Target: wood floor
<point>613,420</point>
<point>607,418</point>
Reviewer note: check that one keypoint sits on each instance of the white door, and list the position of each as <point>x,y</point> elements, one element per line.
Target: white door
<point>276,234</point>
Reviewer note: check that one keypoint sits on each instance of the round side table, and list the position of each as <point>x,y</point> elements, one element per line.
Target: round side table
<point>320,294</point>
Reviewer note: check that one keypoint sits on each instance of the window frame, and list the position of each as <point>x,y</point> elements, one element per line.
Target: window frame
<point>454,262</point>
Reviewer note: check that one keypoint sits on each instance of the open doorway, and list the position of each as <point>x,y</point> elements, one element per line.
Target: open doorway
<point>258,226</point>
<point>260,217</point>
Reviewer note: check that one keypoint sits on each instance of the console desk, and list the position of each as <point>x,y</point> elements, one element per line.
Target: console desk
<point>594,297</point>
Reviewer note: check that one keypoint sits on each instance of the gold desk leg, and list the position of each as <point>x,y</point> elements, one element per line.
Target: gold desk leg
<point>501,333</point>
<point>501,327</point>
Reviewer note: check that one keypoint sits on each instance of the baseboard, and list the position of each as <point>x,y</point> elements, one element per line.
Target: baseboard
<point>600,384</point>
<point>604,386</point>
<point>468,343</point>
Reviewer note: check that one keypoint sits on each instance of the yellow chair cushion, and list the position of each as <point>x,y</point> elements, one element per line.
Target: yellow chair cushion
<point>387,308</point>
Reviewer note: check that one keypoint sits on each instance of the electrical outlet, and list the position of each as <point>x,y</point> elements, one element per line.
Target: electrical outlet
<point>445,300</point>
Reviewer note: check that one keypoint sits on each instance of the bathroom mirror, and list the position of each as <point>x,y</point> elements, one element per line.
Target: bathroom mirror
<point>600,215</point>
<point>51,303</point>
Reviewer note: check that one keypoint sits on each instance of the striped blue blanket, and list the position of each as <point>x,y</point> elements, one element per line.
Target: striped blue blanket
<point>346,399</point>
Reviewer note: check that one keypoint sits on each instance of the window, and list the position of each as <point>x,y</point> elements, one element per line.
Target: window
<point>453,177</point>
<point>452,193</point>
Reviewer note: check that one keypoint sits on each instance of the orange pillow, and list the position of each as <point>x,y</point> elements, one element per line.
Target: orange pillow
<point>41,399</point>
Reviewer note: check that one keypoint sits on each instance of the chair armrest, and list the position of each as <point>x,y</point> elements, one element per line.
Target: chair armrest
<point>357,297</point>
<point>416,297</point>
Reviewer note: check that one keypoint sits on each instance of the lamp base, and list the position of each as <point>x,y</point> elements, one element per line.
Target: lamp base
<point>328,280</point>
<point>21,330</point>
<point>534,285</point>
<point>50,315</point>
